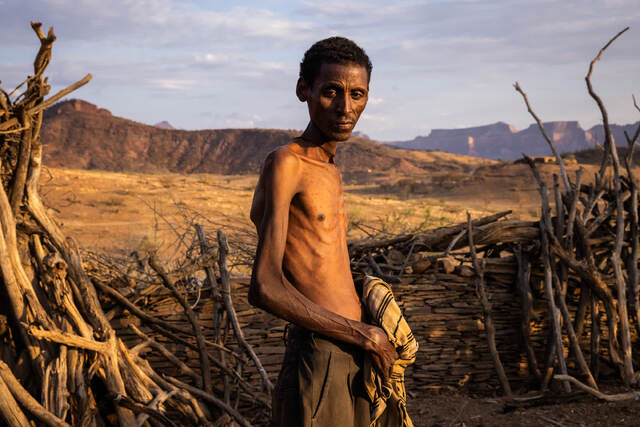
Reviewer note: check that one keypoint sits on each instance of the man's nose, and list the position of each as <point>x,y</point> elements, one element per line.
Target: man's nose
<point>344,104</point>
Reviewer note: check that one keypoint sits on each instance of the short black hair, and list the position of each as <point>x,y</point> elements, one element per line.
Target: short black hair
<point>334,50</point>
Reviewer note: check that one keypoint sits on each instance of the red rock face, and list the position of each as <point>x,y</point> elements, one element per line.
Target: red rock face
<point>80,135</point>
<point>77,105</point>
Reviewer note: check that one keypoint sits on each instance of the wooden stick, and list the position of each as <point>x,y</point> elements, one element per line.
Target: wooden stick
<point>595,337</point>
<point>184,369</point>
<point>546,230</point>
<point>69,340</point>
<point>608,139</point>
<point>627,367</point>
<point>61,94</point>
<point>634,395</point>
<point>573,339</point>
<point>486,307</point>
<point>632,257</point>
<point>573,208</point>
<point>26,400</point>
<point>22,167</point>
<point>205,366</point>
<point>135,310</point>
<point>563,172</point>
<point>586,269</point>
<point>223,250</point>
<point>211,398</point>
<point>9,408</point>
<point>548,290</point>
<point>526,301</point>
<point>125,401</point>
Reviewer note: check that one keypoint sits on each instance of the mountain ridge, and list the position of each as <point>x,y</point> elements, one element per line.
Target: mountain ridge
<point>503,141</point>
<point>80,135</point>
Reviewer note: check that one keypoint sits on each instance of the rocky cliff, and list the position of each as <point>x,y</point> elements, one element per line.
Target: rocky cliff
<point>502,141</point>
<point>80,135</point>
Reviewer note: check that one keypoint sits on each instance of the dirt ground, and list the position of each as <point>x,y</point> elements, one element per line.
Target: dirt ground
<point>449,409</point>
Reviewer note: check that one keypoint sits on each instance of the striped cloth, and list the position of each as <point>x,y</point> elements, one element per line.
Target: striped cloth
<point>389,399</point>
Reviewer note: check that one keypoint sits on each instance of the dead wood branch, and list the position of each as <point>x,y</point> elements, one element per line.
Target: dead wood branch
<point>563,171</point>
<point>486,307</point>
<point>211,398</point>
<point>205,366</point>
<point>223,250</point>
<point>26,400</point>
<point>634,395</point>
<point>608,137</point>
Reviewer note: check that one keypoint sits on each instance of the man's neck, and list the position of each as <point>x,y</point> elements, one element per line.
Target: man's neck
<point>316,138</point>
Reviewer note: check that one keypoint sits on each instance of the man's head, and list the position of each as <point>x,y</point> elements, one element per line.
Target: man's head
<point>334,50</point>
<point>334,82</point>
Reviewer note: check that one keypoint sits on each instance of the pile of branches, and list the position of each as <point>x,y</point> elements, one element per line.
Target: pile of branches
<point>580,259</point>
<point>136,286</point>
<point>590,247</point>
<point>61,361</point>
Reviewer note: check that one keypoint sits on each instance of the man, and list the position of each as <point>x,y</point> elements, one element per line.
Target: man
<point>302,271</point>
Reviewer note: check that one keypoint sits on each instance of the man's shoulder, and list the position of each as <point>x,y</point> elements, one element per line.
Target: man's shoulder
<point>282,158</point>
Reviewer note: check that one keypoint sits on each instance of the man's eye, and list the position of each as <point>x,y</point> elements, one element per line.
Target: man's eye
<point>330,92</point>
<point>357,95</point>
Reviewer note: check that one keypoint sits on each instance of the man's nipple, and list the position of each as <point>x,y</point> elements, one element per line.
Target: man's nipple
<point>321,217</point>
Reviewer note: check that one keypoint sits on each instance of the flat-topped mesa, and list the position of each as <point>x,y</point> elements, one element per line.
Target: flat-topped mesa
<point>617,131</point>
<point>567,136</point>
<point>497,128</point>
<point>503,141</point>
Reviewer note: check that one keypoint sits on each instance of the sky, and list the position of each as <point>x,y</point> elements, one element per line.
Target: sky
<point>234,64</point>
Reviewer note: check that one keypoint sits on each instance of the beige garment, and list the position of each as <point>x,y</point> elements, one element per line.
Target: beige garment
<point>389,399</point>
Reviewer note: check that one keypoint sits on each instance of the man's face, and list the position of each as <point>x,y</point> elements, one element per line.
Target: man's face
<point>336,99</point>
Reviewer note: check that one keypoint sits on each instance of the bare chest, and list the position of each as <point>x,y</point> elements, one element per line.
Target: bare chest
<point>319,204</point>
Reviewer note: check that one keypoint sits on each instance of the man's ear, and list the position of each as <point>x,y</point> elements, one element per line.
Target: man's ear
<point>302,90</point>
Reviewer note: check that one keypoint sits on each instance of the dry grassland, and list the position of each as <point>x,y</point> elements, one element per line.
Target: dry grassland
<point>119,212</point>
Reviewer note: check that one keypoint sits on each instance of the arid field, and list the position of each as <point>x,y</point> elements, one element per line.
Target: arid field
<point>120,212</point>
<point>116,212</point>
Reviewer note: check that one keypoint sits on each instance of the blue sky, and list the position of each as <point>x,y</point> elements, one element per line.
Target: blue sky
<point>437,64</point>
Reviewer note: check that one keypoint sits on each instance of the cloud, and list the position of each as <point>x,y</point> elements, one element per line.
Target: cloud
<point>153,22</point>
<point>440,62</point>
<point>172,84</point>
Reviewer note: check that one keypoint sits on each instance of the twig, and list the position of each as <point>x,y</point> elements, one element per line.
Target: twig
<point>69,340</point>
<point>563,172</point>
<point>546,232</point>
<point>486,307</point>
<point>184,369</point>
<point>26,400</point>
<point>608,139</point>
<point>61,94</point>
<point>457,237</point>
<point>211,398</point>
<point>550,421</point>
<point>633,395</point>
<point>526,299</point>
<point>205,366</point>
<point>223,250</point>
<point>138,407</point>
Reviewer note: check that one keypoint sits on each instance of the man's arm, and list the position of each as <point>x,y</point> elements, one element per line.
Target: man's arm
<point>271,291</point>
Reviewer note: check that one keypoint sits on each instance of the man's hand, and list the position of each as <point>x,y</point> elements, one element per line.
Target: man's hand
<point>382,352</point>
